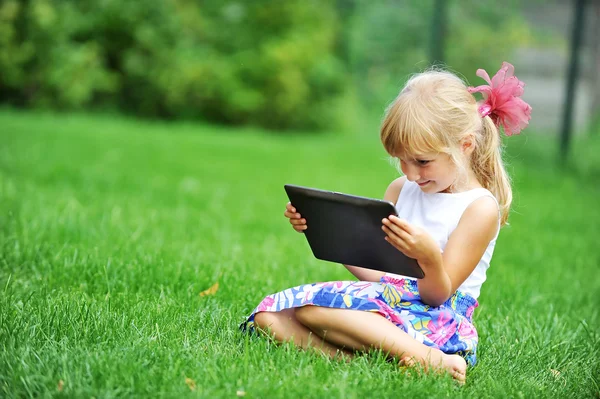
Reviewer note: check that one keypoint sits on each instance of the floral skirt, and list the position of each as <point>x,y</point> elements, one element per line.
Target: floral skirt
<point>448,327</point>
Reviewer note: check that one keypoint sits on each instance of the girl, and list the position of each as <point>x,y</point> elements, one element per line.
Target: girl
<point>452,200</point>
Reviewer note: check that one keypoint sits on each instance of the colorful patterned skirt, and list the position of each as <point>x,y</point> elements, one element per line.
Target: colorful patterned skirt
<point>448,327</point>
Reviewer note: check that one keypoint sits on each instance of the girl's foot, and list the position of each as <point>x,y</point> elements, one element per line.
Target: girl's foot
<point>455,365</point>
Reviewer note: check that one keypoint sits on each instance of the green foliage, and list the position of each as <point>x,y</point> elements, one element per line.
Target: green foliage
<point>392,40</point>
<point>278,64</point>
<point>41,64</point>
<point>263,62</point>
<point>483,35</point>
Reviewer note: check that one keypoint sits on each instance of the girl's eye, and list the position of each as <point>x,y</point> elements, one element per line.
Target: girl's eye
<point>423,161</point>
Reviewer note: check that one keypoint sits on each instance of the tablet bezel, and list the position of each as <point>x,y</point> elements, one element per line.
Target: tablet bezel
<point>346,229</point>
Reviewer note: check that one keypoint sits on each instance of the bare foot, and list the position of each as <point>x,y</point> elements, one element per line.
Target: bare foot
<point>455,365</point>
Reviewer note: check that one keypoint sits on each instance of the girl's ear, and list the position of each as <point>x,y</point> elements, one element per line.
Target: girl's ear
<point>467,145</point>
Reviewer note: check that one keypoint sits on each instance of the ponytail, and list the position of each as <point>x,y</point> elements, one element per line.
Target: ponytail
<point>486,163</point>
<point>501,106</point>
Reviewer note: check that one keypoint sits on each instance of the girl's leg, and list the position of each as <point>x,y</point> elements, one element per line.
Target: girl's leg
<point>369,330</point>
<point>283,326</point>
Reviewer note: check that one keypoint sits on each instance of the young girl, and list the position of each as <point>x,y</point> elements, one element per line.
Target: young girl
<point>452,200</point>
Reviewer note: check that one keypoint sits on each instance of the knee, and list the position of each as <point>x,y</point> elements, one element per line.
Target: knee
<point>264,320</point>
<point>310,316</point>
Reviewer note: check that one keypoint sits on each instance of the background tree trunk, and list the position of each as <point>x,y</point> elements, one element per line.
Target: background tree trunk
<point>595,71</point>
<point>577,29</point>
<point>438,29</point>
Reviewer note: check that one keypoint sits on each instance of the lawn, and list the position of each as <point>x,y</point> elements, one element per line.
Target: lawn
<point>111,228</point>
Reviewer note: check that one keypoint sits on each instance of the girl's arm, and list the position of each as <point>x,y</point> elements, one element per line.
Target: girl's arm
<point>365,274</point>
<point>444,273</point>
<point>391,194</point>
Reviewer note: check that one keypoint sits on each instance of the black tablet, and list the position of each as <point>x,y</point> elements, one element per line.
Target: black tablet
<point>346,229</point>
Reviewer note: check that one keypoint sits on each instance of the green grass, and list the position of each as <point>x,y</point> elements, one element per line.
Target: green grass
<point>110,228</point>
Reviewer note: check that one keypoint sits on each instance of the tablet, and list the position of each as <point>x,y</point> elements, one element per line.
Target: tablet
<point>346,229</point>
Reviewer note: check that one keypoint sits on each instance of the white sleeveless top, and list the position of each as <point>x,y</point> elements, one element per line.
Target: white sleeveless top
<point>439,214</point>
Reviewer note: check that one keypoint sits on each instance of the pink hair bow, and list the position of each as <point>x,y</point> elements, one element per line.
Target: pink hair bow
<point>501,100</point>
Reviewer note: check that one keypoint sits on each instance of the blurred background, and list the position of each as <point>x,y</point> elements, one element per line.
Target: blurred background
<point>289,65</point>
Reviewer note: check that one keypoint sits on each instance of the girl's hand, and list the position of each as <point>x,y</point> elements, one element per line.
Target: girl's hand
<point>295,218</point>
<point>412,241</point>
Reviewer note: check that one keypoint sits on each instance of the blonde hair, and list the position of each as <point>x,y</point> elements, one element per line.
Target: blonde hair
<point>434,113</point>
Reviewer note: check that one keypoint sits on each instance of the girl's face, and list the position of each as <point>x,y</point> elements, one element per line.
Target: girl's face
<point>433,172</point>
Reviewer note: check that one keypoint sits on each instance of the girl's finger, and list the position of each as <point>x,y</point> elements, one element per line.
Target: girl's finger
<point>289,215</point>
<point>403,234</point>
<point>389,232</point>
<point>403,224</point>
<point>292,215</point>
<point>403,244</point>
<point>396,241</point>
<point>393,238</point>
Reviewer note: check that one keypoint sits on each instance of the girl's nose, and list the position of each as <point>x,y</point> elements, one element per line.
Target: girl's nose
<point>412,173</point>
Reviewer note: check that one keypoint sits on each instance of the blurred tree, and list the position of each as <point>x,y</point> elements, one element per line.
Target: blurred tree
<point>595,44</point>
<point>577,28</point>
<point>389,40</point>
<point>346,10</point>
<point>482,34</point>
<point>392,39</point>
<point>279,64</point>
<point>41,64</point>
<point>438,31</point>
<point>263,62</point>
